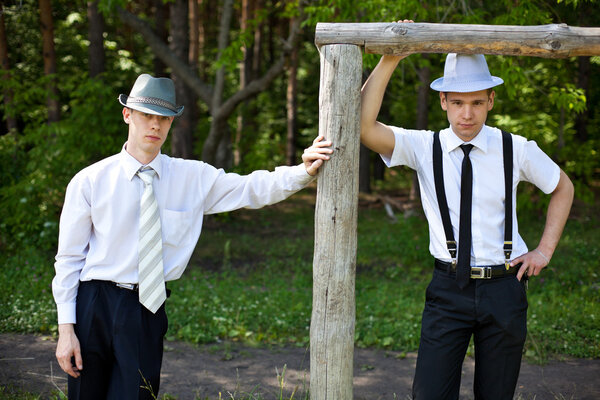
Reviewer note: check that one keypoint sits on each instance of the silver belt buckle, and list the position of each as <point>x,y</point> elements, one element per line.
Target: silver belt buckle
<point>128,286</point>
<point>481,273</point>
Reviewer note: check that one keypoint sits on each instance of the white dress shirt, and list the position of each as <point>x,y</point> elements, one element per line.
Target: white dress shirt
<point>414,149</point>
<point>98,236</point>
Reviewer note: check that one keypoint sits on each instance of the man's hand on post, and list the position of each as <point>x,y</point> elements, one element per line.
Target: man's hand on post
<point>315,155</point>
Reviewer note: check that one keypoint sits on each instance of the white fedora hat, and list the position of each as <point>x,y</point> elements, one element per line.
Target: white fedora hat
<point>153,96</point>
<point>465,73</point>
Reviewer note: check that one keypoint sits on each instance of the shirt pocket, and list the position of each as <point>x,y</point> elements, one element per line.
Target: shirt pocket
<point>176,227</point>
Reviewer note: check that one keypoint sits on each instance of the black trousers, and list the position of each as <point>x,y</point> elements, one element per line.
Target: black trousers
<point>121,344</point>
<point>494,312</point>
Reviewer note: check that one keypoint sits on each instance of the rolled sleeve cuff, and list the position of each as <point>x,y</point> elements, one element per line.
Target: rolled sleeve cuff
<point>553,183</point>
<point>66,313</point>
<point>397,157</point>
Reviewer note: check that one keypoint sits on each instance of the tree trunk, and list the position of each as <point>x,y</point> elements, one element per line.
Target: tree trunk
<point>364,170</point>
<point>97,59</point>
<point>257,48</point>
<point>583,82</point>
<point>193,61</point>
<point>11,121</point>
<point>47,28</point>
<point>223,158</point>
<point>378,169</point>
<point>292,105</point>
<point>334,265</point>
<point>245,70</point>
<point>161,16</point>
<point>584,18</point>
<point>208,14</point>
<point>424,74</point>
<point>181,139</point>
<point>271,37</point>
<point>195,29</point>
<point>214,137</point>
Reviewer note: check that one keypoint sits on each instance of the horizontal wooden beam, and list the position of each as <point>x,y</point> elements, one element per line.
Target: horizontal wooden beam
<point>549,41</point>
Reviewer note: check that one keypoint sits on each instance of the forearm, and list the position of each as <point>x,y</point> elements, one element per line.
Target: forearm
<point>374,88</point>
<point>66,329</point>
<point>556,218</point>
<point>375,135</point>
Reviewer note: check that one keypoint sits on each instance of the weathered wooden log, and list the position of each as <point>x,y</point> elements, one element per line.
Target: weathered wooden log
<point>334,264</point>
<point>549,41</point>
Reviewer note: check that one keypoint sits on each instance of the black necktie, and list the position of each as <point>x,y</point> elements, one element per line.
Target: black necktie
<point>463,271</point>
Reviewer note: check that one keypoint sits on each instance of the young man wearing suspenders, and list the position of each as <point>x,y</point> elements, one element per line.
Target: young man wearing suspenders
<point>468,174</point>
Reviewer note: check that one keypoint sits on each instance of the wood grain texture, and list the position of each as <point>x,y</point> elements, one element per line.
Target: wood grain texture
<point>549,41</point>
<point>334,264</point>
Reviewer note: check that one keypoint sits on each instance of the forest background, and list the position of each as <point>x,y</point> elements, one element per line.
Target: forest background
<point>247,73</point>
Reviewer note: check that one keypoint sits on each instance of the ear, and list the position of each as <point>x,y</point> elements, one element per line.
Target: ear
<point>491,100</point>
<point>443,102</point>
<point>126,115</point>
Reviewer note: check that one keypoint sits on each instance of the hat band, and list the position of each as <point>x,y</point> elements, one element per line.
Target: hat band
<point>154,101</point>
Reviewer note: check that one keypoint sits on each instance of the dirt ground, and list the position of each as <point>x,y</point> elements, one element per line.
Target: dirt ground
<point>189,372</point>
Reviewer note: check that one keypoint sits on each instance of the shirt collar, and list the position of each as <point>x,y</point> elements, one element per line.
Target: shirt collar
<point>131,166</point>
<point>450,141</point>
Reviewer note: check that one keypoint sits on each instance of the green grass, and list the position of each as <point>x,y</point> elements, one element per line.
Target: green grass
<point>11,393</point>
<point>250,280</point>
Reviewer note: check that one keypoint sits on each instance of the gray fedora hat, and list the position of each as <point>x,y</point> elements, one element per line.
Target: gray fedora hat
<point>153,96</point>
<point>465,73</point>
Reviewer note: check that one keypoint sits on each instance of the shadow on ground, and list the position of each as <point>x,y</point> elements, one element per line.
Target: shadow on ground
<point>189,372</point>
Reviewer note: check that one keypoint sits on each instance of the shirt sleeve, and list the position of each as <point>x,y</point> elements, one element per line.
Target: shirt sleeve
<point>73,244</point>
<point>231,191</point>
<point>539,169</point>
<point>409,146</point>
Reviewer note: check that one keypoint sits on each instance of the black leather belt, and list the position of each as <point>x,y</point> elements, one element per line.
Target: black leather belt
<point>134,287</point>
<point>485,272</point>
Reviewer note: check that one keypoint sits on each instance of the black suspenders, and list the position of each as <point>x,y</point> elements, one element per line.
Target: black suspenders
<point>507,150</point>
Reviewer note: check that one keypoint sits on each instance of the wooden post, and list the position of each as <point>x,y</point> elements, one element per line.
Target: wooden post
<point>334,265</point>
<point>333,314</point>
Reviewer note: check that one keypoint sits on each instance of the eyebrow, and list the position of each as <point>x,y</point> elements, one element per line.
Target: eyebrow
<point>463,101</point>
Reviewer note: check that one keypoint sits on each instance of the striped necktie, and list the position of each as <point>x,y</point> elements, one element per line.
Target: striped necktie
<point>152,290</point>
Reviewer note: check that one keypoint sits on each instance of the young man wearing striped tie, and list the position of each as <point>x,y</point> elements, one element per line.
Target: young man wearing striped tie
<point>129,224</point>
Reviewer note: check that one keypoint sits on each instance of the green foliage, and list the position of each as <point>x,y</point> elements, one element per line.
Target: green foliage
<point>27,303</point>
<point>255,287</point>
<point>570,283</point>
<point>540,98</point>
<point>40,162</point>
<point>10,393</point>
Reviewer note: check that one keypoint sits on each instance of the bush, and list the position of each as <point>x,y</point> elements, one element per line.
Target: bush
<point>38,164</point>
